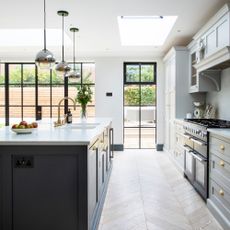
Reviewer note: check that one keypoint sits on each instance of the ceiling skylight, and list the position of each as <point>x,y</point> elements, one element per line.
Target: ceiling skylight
<point>31,37</point>
<point>145,30</point>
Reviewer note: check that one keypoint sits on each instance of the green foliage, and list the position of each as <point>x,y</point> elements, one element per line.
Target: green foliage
<point>43,76</point>
<point>132,73</point>
<point>84,94</point>
<point>147,97</point>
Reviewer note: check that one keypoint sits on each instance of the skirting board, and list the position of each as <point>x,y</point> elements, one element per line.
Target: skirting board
<point>118,147</point>
<point>159,147</point>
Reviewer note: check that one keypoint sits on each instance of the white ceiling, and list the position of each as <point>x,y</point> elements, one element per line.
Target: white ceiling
<point>97,21</point>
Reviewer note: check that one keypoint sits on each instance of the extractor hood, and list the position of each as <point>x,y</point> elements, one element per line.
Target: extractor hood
<point>217,61</point>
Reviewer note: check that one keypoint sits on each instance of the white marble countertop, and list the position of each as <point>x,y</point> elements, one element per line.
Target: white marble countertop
<point>221,132</point>
<point>47,134</point>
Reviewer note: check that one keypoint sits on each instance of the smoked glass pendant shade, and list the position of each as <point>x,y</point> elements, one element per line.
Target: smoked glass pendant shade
<point>44,58</point>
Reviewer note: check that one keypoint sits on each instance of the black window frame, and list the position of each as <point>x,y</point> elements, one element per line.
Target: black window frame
<point>36,84</point>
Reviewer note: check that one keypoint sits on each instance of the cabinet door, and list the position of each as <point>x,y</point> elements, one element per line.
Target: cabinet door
<point>222,31</point>
<point>45,193</point>
<point>210,41</point>
<point>92,182</point>
<point>101,168</point>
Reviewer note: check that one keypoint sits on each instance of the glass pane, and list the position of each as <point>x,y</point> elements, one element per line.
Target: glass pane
<point>88,72</point>
<point>188,162</point>
<point>2,113</point>
<point>132,95</point>
<point>148,95</point>
<point>2,95</point>
<point>28,112</point>
<point>2,73</point>
<point>132,73</point>
<point>93,96</point>
<point>29,95</point>
<point>148,116</point>
<point>15,112</point>
<point>57,94</point>
<point>131,139</point>
<point>131,116</point>
<point>43,95</point>
<point>46,112</point>
<point>15,74</point>
<point>200,173</point>
<point>72,90</point>
<point>55,111</point>
<point>147,73</point>
<point>57,79</point>
<point>43,76</point>
<point>148,138</point>
<point>29,74</point>
<point>15,95</point>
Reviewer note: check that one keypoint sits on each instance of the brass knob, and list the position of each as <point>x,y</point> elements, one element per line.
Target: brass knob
<point>222,147</point>
<point>221,192</point>
<point>222,163</point>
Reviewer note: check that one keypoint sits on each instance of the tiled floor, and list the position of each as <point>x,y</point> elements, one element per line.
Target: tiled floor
<point>147,192</point>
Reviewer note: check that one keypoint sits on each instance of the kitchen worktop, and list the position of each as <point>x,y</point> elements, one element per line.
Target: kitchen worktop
<point>47,134</point>
<point>221,132</point>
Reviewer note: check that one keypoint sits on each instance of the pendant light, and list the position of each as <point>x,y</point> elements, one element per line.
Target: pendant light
<point>62,68</point>
<point>74,74</point>
<point>45,59</point>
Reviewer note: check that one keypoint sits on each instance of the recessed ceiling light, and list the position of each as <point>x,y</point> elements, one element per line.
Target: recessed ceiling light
<point>31,37</point>
<point>145,30</point>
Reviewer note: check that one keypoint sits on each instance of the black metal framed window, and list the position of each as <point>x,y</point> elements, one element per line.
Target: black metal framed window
<point>140,104</point>
<point>30,93</point>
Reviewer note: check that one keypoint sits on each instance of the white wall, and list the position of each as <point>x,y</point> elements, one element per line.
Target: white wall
<point>221,99</point>
<point>109,78</point>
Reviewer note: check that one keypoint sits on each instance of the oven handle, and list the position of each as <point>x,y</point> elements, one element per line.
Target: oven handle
<point>198,142</point>
<point>198,158</point>
<point>187,148</point>
<point>186,136</point>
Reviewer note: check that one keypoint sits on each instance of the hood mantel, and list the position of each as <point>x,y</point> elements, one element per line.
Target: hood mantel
<point>217,61</point>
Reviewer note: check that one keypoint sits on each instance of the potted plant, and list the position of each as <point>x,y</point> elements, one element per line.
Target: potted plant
<point>84,96</point>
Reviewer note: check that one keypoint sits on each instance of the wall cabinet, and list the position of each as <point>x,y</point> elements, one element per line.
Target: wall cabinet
<point>209,52</point>
<point>219,179</point>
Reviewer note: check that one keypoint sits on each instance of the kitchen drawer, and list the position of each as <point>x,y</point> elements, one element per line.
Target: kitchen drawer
<point>220,148</point>
<point>220,171</point>
<point>179,128</point>
<point>179,140</point>
<point>220,197</point>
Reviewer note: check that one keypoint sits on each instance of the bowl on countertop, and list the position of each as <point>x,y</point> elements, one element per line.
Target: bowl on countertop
<point>23,131</point>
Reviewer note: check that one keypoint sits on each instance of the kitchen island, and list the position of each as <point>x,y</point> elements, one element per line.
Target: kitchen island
<point>55,178</point>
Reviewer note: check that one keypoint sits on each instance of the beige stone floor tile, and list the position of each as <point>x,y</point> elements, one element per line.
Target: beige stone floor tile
<point>147,192</point>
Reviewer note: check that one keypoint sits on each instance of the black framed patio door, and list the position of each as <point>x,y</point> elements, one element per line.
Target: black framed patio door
<point>139,105</point>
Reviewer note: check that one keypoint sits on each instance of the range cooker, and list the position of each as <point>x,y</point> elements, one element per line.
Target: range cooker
<point>196,158</point>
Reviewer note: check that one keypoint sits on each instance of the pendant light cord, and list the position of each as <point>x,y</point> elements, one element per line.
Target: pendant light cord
<point>44,24</point>
<point>63,38</point>
<point>74,68</point>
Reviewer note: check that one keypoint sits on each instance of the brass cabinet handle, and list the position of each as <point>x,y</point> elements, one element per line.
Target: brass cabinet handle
<point>221,192</point>
<point>222,147</point>
<point>222,163</point>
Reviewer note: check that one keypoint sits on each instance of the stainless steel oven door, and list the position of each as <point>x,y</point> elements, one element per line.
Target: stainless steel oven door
<point>188,164</point>
<point>200,177</point>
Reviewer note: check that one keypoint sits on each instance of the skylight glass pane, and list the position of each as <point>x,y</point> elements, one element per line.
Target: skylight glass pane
<point>145,30</point>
